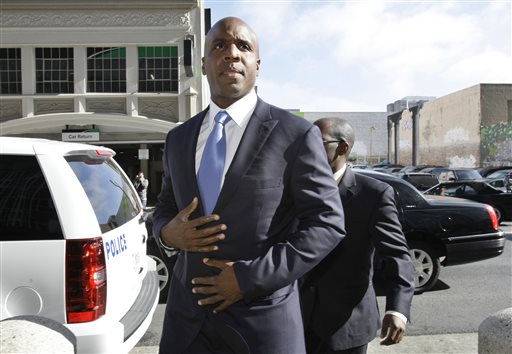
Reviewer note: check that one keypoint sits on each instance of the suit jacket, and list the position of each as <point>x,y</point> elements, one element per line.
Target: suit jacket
<point>339,298</point>
<point>283,215</point>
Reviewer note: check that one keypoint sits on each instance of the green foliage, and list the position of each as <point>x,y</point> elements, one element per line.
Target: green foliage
<point>298,113</point>
<point>491,135</point>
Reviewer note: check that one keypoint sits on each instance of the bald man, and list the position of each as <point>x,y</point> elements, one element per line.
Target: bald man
<point>277,214</point>
<point>340,307</point>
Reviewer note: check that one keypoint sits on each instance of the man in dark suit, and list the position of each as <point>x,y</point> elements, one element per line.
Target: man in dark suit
<point>278,212</point>
<point>339,301</point>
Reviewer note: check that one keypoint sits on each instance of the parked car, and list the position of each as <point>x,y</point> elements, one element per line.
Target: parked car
<point>459,174</point>
<point>499,173</point>
<point>479,191</point>
<point>387,165</point>
<point>74,243</point>
<point>421,180</point>
<point>361,166</point>
<point>434,170</point>
<point>414,168</point>
<point>388,170</point>
<point>442,231</point>
<point>498,183</point>
<point>486,171</point>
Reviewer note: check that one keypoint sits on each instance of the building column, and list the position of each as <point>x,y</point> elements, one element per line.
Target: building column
<point>390,138</point>
<point>80,78</point>
<point>397,140</point>
<point>190,102</point>
<point>28,80</point>
<point>132,80</point>
<point>415,135</point>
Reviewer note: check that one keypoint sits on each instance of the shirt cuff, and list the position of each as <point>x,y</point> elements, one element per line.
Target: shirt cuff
<point>170,251</point>
<point>397,314</point>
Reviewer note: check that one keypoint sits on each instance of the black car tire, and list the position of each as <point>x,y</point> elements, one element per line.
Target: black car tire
<point>426,266</point>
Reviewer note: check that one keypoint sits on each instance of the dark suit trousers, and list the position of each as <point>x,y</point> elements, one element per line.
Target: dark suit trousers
<point>315,345</point>
<point>212,341</point>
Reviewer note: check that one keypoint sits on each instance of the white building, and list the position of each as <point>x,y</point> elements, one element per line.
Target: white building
<point>119,73</point>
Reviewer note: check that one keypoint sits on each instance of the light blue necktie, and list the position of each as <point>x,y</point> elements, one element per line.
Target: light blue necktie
<point>211,169</point>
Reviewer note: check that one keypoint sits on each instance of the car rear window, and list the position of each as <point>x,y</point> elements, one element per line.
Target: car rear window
<point>421,181</point>
<point>408,197</point>
<point>27,211</point>
<point>470,174</point>
<point>111,195</point>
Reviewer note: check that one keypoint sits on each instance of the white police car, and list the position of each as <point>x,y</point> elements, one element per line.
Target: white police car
<point>73,243</point>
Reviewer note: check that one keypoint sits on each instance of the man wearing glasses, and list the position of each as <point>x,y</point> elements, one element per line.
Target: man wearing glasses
<point>339,303</point>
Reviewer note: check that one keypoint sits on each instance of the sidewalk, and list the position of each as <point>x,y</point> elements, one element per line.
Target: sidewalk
<point>463,343</point>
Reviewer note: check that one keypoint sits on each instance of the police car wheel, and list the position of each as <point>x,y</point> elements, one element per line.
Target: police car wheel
<point>163,277</point>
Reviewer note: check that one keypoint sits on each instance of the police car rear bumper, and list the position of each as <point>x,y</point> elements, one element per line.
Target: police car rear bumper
<point>106,336</point>
<point>143,305</point>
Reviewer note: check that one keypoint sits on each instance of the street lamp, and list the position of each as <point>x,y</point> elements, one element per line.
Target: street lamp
<point>372,128</point>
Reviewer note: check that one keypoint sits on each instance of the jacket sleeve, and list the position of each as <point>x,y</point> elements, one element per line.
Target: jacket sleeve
<point>391,245</point>
<point>319,214</point>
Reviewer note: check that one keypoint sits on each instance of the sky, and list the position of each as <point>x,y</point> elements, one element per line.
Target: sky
<point>359,56</point>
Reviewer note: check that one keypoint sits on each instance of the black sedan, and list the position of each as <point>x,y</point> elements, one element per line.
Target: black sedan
<point>479,191</point>
<point>442,231</point>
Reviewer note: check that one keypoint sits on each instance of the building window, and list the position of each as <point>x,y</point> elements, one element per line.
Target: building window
<point>54,70</point>
<point>106,69</point>
<point>10,71</point>
<point>158,69</point>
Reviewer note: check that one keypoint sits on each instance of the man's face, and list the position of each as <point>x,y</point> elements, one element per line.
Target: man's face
<point>331,146</point>
<point>330,149</point>
<point>231,61</point>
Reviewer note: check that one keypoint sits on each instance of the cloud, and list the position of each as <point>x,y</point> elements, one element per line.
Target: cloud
<point>349,56</point>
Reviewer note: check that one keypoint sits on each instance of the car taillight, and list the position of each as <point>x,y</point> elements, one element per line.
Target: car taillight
<point>494,218</point>
<point>86,280</point>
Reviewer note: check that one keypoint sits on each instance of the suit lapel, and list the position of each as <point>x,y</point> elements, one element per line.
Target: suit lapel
<point>189,173</point>
<point>258,130</point>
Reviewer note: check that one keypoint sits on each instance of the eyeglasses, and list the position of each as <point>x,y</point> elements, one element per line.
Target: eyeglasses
<point>334,141</point>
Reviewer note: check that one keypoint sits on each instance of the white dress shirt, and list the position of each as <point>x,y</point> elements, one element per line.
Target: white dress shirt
<point>240,113</point>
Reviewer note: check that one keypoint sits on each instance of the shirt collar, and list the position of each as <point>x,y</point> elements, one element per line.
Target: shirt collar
<point>338,175</point>
<point>238,111</point>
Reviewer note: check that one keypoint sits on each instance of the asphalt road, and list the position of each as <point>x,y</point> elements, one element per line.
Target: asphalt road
<point>464,296</point>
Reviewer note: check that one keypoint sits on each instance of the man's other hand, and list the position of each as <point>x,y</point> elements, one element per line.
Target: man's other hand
<point>393,330</point>
<point>222,288</point>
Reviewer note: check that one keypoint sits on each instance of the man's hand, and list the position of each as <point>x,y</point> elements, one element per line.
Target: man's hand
<point>183,234</point>
<point>393,330</point>
<point>223,288</point>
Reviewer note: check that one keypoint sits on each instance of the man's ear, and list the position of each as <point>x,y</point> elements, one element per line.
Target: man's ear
<point>342,149</point>
<point>202,66</point>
